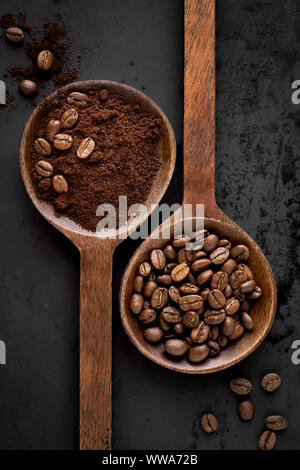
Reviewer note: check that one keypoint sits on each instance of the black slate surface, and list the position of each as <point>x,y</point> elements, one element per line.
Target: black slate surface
<point>257,172</point>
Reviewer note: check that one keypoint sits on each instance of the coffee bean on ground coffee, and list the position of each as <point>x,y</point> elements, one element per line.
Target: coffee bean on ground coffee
<point>110,151</point>
<point>195,307</point>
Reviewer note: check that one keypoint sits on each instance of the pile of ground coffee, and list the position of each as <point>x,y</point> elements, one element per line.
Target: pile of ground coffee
<point>124,161</point>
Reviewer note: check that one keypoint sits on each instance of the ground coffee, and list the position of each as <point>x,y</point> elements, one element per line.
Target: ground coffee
<point>124,161</point>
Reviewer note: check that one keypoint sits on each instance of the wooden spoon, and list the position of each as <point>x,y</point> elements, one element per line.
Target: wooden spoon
<point>96,256</point>
<point>199,187</point>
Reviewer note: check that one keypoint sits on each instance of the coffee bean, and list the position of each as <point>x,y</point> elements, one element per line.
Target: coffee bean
<point>204,276</point>
<point>200,333</point>
<point>14,34</point>
<point>200,264</point>
<point>247,287</point>
<point>176,347</point>
<point>204,293</point>
<point>147,316</point>
<point>171,315</point>
<point>78,99</point>
<point>45,184</point>
<point>237,332</point>
<point>158,259</point>
<point>228,291</point>
<point>138,284</point>
<point>180,242</point>
<point>174,294</point>
<point>149,288</point>
<point>45,60</point>
<point>190,302</point>
<point>136,303</point>
<point>42,147</point>
<point>228,326</point>
<point>86,148</point>
<point>209,423</point>
<point>145,269</point>
<point>237,278</point>
<point>178,328</point>
<point>270,382</point>
<point>238,295</point>
<point>165,279</point>
<point>198,354</point>
<point>214,332</point>
<point>210,243</point>
<point>44,168</point>
<point>267,440</point>
<point>229,266</point>
<point>225,243</point>
<point>169,267</point>
<point>198,254</point>
<point>28,87</point>
<point>153,334</point>
<point>247,321</point>
<point>214,348</point>
<point>159,297</point>
<point>246,410</point>
<point>180,272</point>
<point>276,423</point>
<point>246,269</point>
<point>255,294</point>
<point>62,141</point>
<point>219,255</point>
<point>170,253</point>
<point>223,341</point>
<point>245,306</point>
<point>240,386</point>
<point>182,258</point>
<point>216,299</point>
<point>190,319</point>
<point>240,252</point>
<point>191,278</point>
<point>219,280</point>
<point>60,184</point>
<point>164,325</point>
<point>214,317</point>
<point>53,128</point>
<point>232,305</point>
<point>189,288</point>
<point>69,118</point>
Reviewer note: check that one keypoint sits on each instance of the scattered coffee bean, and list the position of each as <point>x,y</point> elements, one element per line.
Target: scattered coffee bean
<point>153,334</point>
<point>176,347</point>
<point>237,278</point>
<point>214,332</point>
<point>14,34</point>
<point>216,299</point>
<point>60,184</point>
<point>214,348</point>
<point>86,148</point>
<point>267,440</point>
<point>246,410</point>
<point>45,184</point>
<point>174,294</point>
<point>170,253</point>
<point>190,319</point>
<point>62,141</point>
<point>247,321</point>
<point>200,264</point>
<point>237,332</point>
<point>69,118</point>
<point>190,302</point>
<point>159,297</point>
<point>198,354</point>
<point>276,423</point>
<point>240,386</point>
<point>136,303</point>
<point>204,276</point>
<point>149,288</point>
<point>171,315</point>
<point>178,328</point>
<point>189,288</point>
<point>145,269</point>
<point>53,128</point>
<point>138,284</point>
<point>45,60</point>
<point>247,286</point>
<point>42,147</point>
<point>200,333</point>
<point>228,326</point>
<point>248,272</point>
<point>210,243</point>
<point>28,87</point>
<point>147,316</point>
<point>209,423</point>
<point>219,255</point>
<point>180,272</point>
<point>240,252</point>
<point>78,99</point>
<point>44,168</point>
<point>255,294</point>
<point>180,242</point>
<point>270,382</point>
<point>225,243</point>
<point>219,280</point>
<point>158,259</point>
<point>231,306</point>
<point>214,317</point>
<point>229,266</point>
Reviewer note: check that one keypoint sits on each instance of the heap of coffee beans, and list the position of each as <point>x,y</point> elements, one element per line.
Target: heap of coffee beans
<point>195,300</point>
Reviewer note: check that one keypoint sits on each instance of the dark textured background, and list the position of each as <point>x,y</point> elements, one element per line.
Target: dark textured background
<point>257,168</point>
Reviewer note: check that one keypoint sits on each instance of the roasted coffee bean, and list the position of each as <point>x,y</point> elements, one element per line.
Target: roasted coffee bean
<point>200,333</point>
<point>227,291</point>
<point>209,423</point>
<point>28,87</point>
<point>248,272</point>
<point>216,299</point>
<point>214,332</point>
<point>138,284</point>
<point>255,294</point>
<point>201,234</point>
<point>136,303</point>
<point>204,293</point>
<point>241,386</point>
<point>189,288</point>
<point>178,328</point>
<point>228,326</point>
<point>170,253</point>
<point>78,99</point>
<point>245,306</point>
<point>198,354</point>
<point>169,268</point>
<point>219,255</point>
<point>147,316</point>
<point>145,269</point>
<point>45,184</point>
<point>69,118</point>
<point>267,440</point>
<point>189,255</point>
<point>62,141</point>
<point>204,276</point>
<point>247,287</point>
<point>171,315</point>
<point>14,34</point>
<point>45,60</point>
<point>240,252</point>
<point>153,334</point>
<point>44,168</point>
<point>246,410</point>
<point>86,148</point>
<point>238,295</point>
<point>53,127</point>
<point>149,288</point>
<point>231,306</point>
<point>229,266</point>
<point>219,280</point>
<point>276,423</point>
<point>223,341</point>
<point>214,317</point>
<point>214,348</point>
<point>225,243</point>
<point>174,294</point>
<point>164,325</point>
<point>246,321</point>
<point>210,243</point>
<point>180,242</point>
<point>191,278</point>
<point>200,264</point>
<point>159,297</point>
<point>237,278</point>
<point>176,347</point>
<point>190,302</point>
<point>158,259</point>
<point>60,184</point>
<point>190,319</point>
<point>165,279</point>
<point>181,258</point>
<point>237,332</point>
<point>42,147</point>
<point>180,272</point>
<point>270,382</point>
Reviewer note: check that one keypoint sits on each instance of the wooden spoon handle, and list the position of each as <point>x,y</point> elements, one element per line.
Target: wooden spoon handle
<point>96,346</point>
<point>199,104</point>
